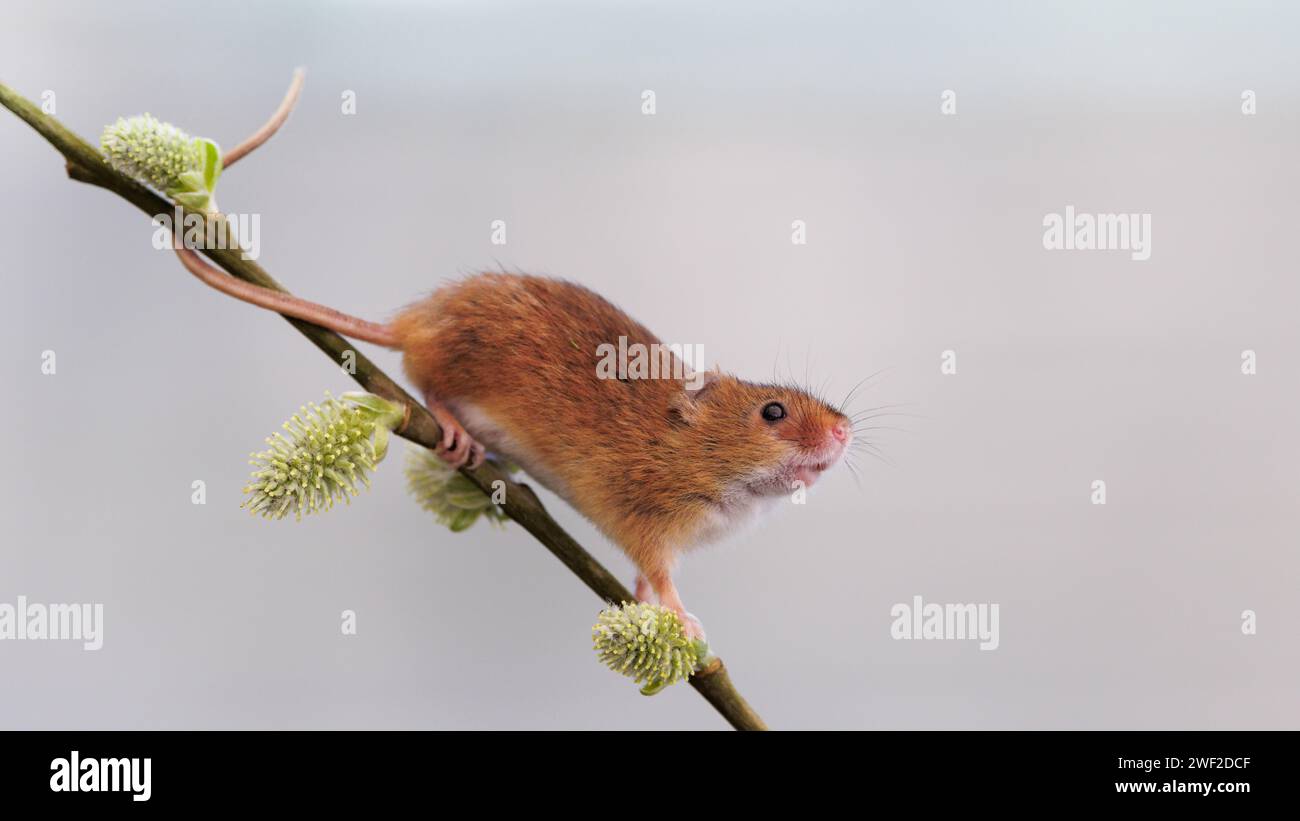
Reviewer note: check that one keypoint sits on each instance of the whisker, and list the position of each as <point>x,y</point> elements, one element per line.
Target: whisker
<point>883,407</point>
<point>859,420</point>
<point>865,444</point>
<point>857,478</point>
<point>877,454</point>
<point>849,397</point>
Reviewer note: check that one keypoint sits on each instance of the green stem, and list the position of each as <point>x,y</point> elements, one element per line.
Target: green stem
<point>86,164</point>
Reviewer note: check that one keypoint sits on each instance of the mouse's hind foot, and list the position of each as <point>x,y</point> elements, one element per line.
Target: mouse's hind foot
<point>456,447</point>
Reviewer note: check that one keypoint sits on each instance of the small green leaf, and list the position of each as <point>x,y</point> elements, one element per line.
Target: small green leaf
<point>211,155</point>
<point>371,402</point>
<point>462,520</point>
<point>381,443</point>
<point>459,483</point>
<point>469,499</point>
<point>195,201</point>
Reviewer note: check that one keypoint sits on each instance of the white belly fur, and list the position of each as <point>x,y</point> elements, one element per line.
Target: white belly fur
<point>498,441</point>
<point>738,512</point>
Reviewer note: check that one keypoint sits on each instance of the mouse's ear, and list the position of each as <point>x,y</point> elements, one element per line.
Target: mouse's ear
<point>685,407</point>
<point>697,384</point>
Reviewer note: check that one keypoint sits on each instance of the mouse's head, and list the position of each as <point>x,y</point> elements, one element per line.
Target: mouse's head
<point>762,438</point>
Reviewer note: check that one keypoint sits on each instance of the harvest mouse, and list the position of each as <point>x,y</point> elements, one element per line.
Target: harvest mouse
<point>507,364</point>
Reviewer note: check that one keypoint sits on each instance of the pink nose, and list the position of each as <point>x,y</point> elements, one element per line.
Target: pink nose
<point>841,431</point>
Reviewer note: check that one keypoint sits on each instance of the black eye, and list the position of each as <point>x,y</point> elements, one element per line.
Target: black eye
<point>774,411</point>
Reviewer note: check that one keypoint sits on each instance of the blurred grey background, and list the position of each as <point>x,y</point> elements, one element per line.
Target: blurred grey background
<point>924,234</point>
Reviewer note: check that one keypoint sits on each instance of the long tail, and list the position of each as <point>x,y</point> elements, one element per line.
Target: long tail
<point>287,304</point>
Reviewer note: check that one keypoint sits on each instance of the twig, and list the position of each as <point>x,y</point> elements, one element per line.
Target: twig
<point>85,164</point>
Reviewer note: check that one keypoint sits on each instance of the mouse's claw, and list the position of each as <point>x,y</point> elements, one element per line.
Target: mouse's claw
<point>477,453</point>
<point>691,626</point>
<point>456,447</point>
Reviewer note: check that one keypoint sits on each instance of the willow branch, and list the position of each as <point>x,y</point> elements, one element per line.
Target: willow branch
<point>86,164</point>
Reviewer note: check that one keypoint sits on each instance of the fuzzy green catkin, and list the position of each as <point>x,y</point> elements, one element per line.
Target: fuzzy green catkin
<point>454,500</point>
<point>646,643</point>
<point>147,149</point>
<point>322,456</point>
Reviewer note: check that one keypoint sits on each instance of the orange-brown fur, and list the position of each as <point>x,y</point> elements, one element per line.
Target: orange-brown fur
<point>658,464</point>
<point>644,459</point>
<point>653,464</point>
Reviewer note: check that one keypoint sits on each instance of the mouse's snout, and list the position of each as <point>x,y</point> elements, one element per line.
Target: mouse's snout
<point>838,438</point>
<point>841,432</point>
<point>826,437</point>
<point>841,436</point>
